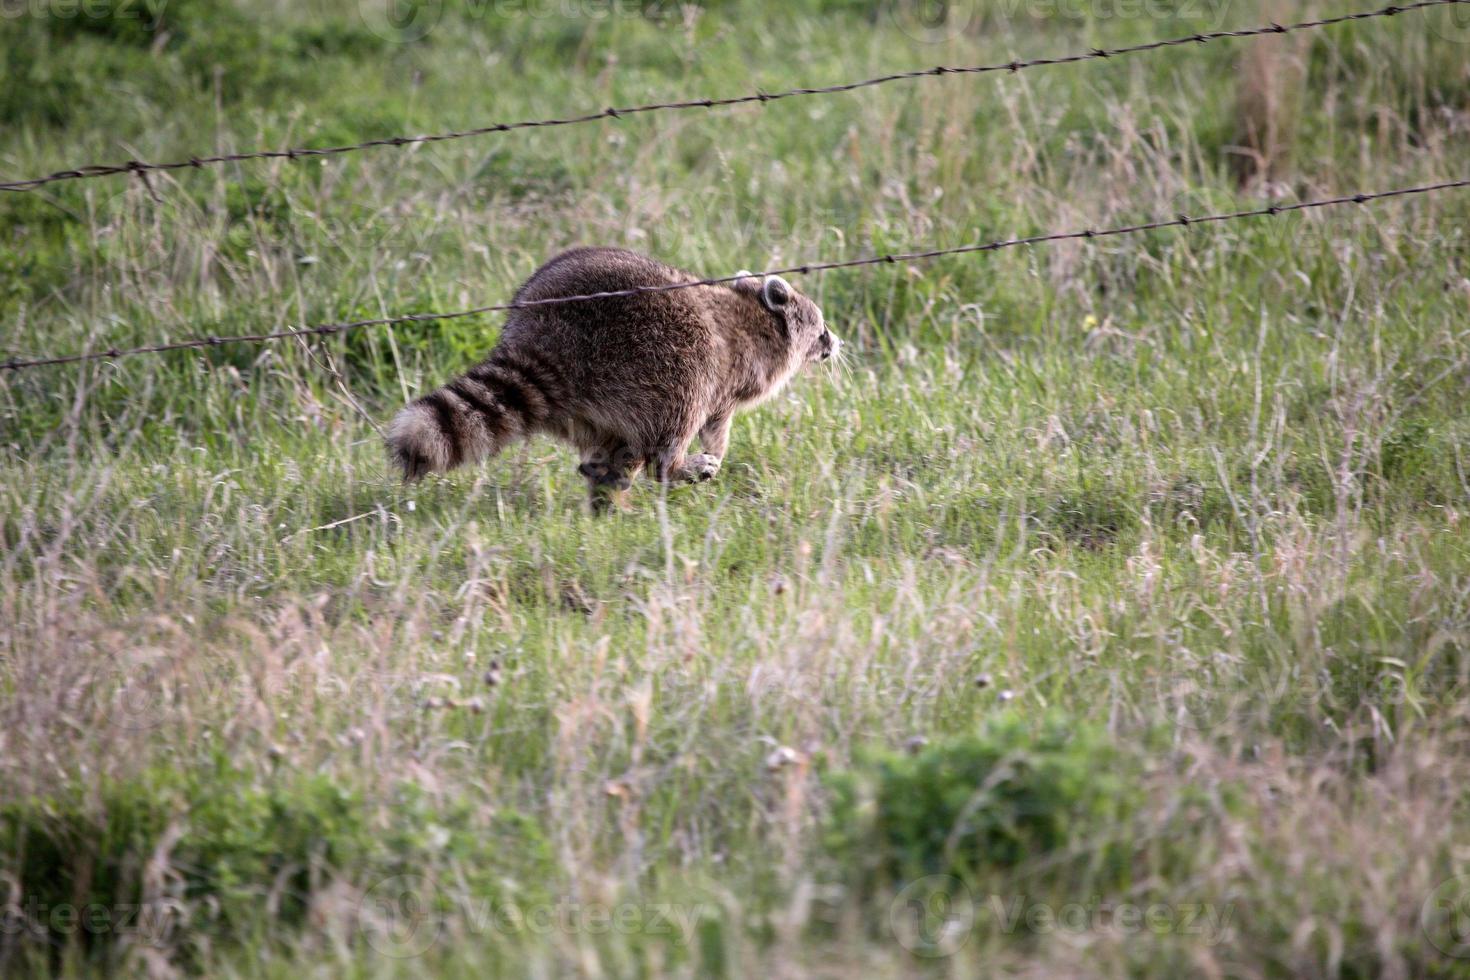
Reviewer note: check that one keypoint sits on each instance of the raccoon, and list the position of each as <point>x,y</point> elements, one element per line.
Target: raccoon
<point>629,381</point>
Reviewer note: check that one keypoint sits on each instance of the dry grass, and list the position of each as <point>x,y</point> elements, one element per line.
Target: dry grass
<point>1270,89</point>
<point>1203,492</point>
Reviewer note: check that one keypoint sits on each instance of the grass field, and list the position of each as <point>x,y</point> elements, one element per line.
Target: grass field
<point>1107,614</point>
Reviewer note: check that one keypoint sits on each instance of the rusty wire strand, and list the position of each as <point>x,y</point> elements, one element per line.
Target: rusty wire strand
<point>141,168</point>
<point>327,329</point>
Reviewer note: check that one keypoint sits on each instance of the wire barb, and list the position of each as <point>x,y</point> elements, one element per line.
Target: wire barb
<point>106,170</point>
<point>803,269</point>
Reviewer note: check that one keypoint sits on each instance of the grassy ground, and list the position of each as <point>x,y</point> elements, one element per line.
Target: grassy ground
<point>1109,615</point>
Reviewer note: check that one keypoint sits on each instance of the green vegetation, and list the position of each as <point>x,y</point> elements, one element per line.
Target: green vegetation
<point>1132,572</point>
<point>997,799</point>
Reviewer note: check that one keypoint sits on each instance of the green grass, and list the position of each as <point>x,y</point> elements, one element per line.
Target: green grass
<point>1126,573</point>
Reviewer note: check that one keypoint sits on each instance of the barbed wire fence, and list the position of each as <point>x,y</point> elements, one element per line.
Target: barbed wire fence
<point>141,169</point>
<point>327,329</point>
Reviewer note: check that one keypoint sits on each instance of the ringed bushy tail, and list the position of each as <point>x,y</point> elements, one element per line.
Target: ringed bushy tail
<point>507,397</point>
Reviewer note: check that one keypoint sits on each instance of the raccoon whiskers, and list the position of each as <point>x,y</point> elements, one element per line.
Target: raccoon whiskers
<point>840,363</point>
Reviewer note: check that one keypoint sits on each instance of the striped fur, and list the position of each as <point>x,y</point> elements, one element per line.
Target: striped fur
<point>630,381</point>
<point>473,417</point>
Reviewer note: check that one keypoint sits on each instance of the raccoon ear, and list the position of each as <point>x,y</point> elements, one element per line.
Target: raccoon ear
<point>775,293</point>
<point>745,282</point>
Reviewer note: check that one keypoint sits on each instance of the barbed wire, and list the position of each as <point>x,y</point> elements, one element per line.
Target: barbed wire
<point>327,329</point>
<point>142,168</point>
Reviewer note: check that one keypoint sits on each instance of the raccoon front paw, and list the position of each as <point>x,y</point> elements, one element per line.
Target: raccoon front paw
<point>700,467</point>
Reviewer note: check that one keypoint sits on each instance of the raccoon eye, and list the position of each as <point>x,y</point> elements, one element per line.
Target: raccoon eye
<point>775,293</point>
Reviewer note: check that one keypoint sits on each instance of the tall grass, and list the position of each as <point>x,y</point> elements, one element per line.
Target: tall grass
<point>1184,511</point>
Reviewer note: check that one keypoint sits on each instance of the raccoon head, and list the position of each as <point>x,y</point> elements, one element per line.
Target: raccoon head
<point>799,319</point>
